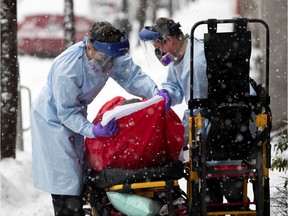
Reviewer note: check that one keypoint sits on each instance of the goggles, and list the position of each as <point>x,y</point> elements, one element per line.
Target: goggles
<point>115,49</point>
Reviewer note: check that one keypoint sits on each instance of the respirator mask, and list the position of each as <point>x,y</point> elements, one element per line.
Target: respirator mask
<point>165,58</point>
<point>102,65</point>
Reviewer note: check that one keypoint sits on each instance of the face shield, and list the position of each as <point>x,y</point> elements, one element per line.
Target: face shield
<point>108,52</point>
<point>149,35</point>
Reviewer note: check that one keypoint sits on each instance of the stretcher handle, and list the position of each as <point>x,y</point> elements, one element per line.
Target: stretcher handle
<point>225,21</point>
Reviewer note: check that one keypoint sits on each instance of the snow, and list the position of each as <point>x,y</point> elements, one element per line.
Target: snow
<point>18,196</point>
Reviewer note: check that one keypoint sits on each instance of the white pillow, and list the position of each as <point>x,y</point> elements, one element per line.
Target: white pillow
<point>134,205</point>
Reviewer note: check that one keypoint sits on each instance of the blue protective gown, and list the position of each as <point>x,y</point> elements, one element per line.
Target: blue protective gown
<point>177,82</point>
<point>59,116</point>
<point>178,79</point>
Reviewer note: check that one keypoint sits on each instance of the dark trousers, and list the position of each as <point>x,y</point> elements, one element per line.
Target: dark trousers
<point>231,189</point>
<point>65,205</point>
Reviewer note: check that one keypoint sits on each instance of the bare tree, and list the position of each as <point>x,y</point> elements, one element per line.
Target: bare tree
<point>122,20</point>
<point>141,15</point>
<point>9,78</point>
<point>69,24</point>
<point>170,6</point>
<point>125,6</point>
<point>155,6</point>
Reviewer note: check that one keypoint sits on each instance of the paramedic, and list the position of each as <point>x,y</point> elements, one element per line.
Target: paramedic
<point>172,48</point>
<point>59,114</point>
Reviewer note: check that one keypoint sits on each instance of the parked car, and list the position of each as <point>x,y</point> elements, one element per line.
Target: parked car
<point>43,35</point>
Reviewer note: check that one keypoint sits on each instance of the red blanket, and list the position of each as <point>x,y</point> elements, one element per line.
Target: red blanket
<point>146,138</point>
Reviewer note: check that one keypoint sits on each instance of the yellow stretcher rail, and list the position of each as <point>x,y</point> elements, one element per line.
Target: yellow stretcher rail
<point>142,185</point>
<point>195,124</point>
<point>262,120</point>
<point>232,213</point>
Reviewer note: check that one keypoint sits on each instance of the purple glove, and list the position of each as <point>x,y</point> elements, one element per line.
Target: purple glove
<point>165,94</point>
<point>106,131</point>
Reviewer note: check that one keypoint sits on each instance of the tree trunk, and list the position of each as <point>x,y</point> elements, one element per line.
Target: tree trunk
<point>155,6</point>
<point>141,15</point>
<point>69,25</point>
<point>122,20</point>
<point>125,6</point>
<point>170,8</point>
<point>9,78</point>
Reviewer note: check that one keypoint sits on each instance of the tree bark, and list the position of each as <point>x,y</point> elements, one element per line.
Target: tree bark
<point>155,6</point>
<point>170,6</point>
<point>141,15</point>
<point>9,78</point>
<point>69,23</point>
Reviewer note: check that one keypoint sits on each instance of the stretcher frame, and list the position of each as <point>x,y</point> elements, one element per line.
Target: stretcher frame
<point>257,172</point>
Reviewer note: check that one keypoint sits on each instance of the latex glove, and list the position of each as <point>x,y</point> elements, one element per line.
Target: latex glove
<point>165,94</point>
<point>106,131</point>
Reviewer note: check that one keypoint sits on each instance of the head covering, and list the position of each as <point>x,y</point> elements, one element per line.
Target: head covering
<point>108,39</point>
<point>162,28</point>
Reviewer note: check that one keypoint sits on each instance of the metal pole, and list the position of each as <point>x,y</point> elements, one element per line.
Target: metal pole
<point>20,129</point>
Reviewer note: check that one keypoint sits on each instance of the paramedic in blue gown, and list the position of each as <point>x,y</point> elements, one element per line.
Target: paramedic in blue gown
<point>172,48</point>
<point>59,114</point>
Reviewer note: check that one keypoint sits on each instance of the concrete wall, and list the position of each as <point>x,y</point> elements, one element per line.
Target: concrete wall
<point>274,13</point>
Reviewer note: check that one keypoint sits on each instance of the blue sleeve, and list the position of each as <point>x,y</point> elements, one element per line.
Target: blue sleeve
<point>66,82</point>
<point>131,77</point>
<point>173,86</point>
<point>178,78</point>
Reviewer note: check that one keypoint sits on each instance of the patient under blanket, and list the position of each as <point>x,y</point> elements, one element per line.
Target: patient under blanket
<point>147,137</point>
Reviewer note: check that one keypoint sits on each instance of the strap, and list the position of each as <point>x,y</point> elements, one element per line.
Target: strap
<point>212,26</point>
<point>240,25</point>
<point>181,45</point>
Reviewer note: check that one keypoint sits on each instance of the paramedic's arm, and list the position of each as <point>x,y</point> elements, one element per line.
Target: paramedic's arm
<point>70,110</point>
<point>172,85</point>
<point>131,77</point>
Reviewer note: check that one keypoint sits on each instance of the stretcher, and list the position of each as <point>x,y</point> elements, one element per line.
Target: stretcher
<point>229,143</point>
<point>138,170</point>
<point>234,149</point>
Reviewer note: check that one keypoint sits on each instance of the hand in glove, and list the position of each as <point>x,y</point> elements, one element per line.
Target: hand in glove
<point>106,131</point>
<point>165,94</point>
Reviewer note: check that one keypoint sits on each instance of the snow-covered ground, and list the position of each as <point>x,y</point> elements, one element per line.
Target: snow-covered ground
<point>18,196</point>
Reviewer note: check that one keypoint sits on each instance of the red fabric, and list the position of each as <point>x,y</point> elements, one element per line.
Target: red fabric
<point>147,138</point>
